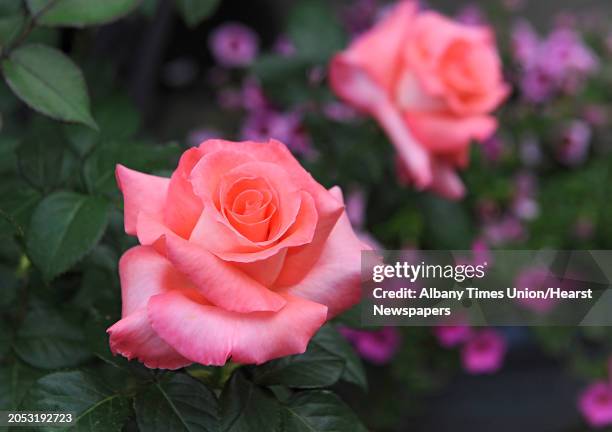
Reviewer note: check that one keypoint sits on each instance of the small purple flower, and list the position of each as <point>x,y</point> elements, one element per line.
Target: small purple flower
<point>360,15</point>
<point>575,143</point>
<point>525,43</point>
<point>472,15</point>
<point>450,336</point>
<point>378,346</point>
<point>504,230</point>
<point>234,45</point>
<point>253,97</point>
<point>284,46</point>
<point>524,204</point>
<point>536,279</point>
<point>595,115</point>
<point>229,99</point>
<point>493,148</point>
<point>484,352</point>
<point>595,404</point>
<point>339,112</point>
<point>263,125</point>
<point>537,85</point>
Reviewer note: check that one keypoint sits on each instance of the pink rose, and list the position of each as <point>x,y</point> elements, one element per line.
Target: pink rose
<point>431,83</point>
<point>242,254</point>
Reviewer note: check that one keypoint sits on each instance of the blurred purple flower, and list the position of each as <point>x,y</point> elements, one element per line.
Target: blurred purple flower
<point>524,203</point>
<point>560,62</point>
<point>198,136</point>
<point>284,46</point>
<point>575,143</point>
<point>377,346</point>
<point>525,42</point>
<point>253,97</point>
<point>471,14</point>
<point>595,404</point>
<point>234,45</point>
<point>450,336</point>
<point>484,352</point>
<point>287,128</point>
<point>339,112</point>
<point>504,230</point>
<point>536,279</point>
<point>229,99</point>
<point>595,114</point>
<point>493,148</point>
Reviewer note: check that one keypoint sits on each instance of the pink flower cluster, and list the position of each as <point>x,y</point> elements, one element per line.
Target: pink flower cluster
<point>556,64</point>
<point>595,403</point>
<point>482,351</point>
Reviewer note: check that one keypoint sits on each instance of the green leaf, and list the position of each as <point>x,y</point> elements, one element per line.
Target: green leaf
<point>15,380</point>
<point>317,367</point>
<point>195,11</point>
<point>315,31</point>
<point>99,168</point>
<point>80,13</point>
<point>97,407</point>
<point>8,288</point>
<point>17,203</point>
<point>46,341</point>
<point>319,411</point>
<point>328,358</point>
<point>40,156</point>
<point>246,408</point>
<point>180,403</point>
<point>49,82</point>
<point>65,226</point>
<point>354,372</point>
<point>10,26</point>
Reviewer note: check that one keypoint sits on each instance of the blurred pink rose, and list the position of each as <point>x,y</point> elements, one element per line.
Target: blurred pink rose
<point>484,352</point>
<point>431,83</point>
<point>595,404</point>
<point>242,255</point>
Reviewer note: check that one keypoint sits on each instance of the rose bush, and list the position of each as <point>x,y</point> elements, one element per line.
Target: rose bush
<point>242,254</point>
<point>431,83</point>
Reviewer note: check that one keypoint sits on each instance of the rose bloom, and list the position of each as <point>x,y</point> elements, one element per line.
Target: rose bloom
<point>242,255</point>
<point>431,83</point>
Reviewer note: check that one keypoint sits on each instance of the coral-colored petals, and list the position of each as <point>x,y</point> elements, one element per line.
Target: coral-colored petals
<point>447,182</point>
<point>210,335</point>
<point>143,273</point>
<point>229,245</point>
<point>141,193</point>
<point>133,338</point>
<point>339,266</point>
<point>207,174</point>
<point>446,133</point>
<point>218,281</point>
<point>183,206</point>
<point>374,56</point>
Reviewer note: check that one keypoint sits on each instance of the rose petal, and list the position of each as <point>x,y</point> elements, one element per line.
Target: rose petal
<point>133,337</point>
<point>210,335</point>
<point>218,281</point>
<point>144,272</point>
<point>446,133</point>
<point>339,267</point>
<point>230,245</point>
<point>141,193</point>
